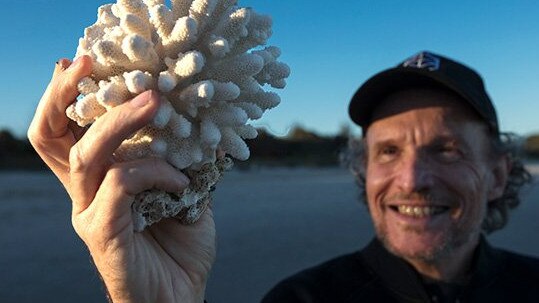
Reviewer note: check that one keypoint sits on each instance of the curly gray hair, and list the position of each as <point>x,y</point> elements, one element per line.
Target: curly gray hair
<point>354,157</point>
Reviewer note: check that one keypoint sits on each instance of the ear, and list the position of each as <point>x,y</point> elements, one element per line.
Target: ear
<point>500,173</point>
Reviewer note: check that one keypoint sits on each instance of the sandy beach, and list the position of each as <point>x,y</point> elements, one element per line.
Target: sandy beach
<point>270,223</point>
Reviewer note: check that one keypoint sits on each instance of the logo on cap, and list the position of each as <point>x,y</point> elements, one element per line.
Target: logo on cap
<point>423,60</point>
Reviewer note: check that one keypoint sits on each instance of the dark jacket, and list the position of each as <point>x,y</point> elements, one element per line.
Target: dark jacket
<point>375,275</point>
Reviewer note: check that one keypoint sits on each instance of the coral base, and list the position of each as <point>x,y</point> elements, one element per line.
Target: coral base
<point>153,205</point>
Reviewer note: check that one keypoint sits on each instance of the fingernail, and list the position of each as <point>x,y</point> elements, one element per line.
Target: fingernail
<point>183,180</point>
<point>62,64</point>
<point>141,100</point>
<point>58,65</point>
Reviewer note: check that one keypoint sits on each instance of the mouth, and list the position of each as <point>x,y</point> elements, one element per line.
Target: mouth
<point>419,211</point>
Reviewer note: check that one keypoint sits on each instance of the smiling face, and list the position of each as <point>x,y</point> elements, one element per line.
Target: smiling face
<point>429,175</point>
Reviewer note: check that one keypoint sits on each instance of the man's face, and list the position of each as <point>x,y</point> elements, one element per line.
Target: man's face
<point>429,174</point>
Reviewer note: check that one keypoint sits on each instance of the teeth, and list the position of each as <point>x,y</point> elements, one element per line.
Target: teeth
<point>420,211</point>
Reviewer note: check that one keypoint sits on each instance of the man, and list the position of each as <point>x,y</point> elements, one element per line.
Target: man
<point>435,173</point>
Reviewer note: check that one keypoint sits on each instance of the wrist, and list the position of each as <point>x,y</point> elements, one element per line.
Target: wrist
<point>118,294</point>
<point>200,294</point>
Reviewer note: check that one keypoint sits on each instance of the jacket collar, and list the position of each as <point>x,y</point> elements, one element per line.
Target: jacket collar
<point>399,276</point>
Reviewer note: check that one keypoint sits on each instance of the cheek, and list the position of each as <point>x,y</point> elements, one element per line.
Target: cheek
<point>378,180</point>
<point>469,183</point>
<point>470,179</point>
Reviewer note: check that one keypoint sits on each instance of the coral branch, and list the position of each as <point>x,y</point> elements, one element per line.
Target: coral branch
<point>204,58</point>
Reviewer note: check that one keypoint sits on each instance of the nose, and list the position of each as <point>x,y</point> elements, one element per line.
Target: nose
<point>416,173</point>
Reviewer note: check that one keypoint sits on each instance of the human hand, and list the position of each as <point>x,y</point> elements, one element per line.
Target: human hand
<point>167,262</point>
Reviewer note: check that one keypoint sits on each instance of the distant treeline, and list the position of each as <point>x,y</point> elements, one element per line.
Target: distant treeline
<point>299,148</point>
<point>531,146</point>
<point>17,154</point>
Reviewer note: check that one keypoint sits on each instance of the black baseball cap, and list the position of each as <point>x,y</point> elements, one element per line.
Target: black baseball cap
<point>424,69</point>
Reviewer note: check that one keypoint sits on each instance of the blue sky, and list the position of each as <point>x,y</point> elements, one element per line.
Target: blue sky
<point>331,47</point>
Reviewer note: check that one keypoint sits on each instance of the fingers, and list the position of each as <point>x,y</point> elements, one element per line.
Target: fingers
<point>49,132</point>
<point>123,181</point>
<point>91,156</point>
<point>50,120</point>
<point>220,153</point>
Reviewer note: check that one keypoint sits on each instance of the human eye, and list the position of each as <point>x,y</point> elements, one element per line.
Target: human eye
<point>387,153</point>
<point>388,150</point>
<point>448,152</point>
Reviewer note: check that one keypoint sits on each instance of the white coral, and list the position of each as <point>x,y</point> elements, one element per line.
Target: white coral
<point>200,55</point>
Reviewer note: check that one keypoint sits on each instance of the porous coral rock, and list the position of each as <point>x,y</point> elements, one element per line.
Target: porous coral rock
<point>206,60</point>
<point>153,205</point>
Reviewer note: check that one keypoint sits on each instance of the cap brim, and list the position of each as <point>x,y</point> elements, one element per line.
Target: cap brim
<point>377,88</point>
